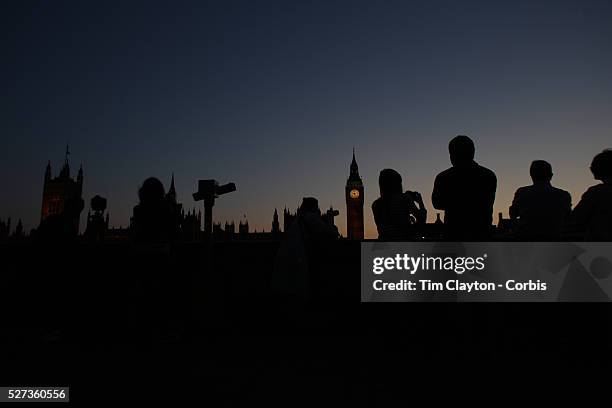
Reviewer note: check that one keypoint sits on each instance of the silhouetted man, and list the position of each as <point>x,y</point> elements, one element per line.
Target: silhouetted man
<point>593,214</point>
<point>540,209</point>
<point>466,193</point>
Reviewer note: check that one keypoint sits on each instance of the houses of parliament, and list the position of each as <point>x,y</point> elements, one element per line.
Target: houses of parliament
<point>62,197</point>
<point>61,192</point>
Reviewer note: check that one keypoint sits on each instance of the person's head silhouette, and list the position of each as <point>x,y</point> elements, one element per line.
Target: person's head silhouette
<point>540,171</point>
<point>310,204</point>
<point>390,183</point>
<point>601,167</point>
<point>461,150</point>
<point>151,192</point>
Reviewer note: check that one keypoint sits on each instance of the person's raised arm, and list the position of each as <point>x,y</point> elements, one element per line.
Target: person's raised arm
<point>421,211</point>
<point>517,205</point>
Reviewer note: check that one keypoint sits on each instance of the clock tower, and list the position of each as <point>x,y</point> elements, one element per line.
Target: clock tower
<point>354,203</point>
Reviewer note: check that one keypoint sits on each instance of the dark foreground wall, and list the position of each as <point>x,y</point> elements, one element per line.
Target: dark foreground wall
<point>88,316</point>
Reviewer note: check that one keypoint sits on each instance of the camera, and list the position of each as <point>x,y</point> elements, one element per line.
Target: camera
<point>208,189</point>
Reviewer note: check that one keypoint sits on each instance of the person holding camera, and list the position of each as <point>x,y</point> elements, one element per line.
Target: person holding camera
<point>397,213</point>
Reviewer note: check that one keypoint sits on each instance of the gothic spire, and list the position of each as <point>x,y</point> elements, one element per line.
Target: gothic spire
<point>48,171</point>
<point>65,173</point>
<point>354,175</point>
<point>172,190</point>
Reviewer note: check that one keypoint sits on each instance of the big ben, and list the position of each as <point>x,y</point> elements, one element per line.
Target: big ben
<point>354,203</point>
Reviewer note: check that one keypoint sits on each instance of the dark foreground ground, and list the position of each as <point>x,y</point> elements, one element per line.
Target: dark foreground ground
<point>116,322</point>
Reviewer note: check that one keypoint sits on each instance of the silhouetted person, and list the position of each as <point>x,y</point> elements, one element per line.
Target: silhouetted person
<point>303,257</point>
<point>396,212</point>
<point>540,209</point>
<point>593,214</point>
<point>153,221</point>
<point>314,228</point>
<point>153,229</point>
<point>466,193</point>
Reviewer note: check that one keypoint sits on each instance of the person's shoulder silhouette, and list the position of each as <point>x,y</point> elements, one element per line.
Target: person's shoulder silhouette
<point>466,193</point>
<point>593,214</point>
<point>540,209</point>
<point>395,211</point>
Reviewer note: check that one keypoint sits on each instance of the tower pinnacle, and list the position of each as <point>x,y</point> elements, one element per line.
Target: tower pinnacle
<point>65,172</point>
<point>172,189</point>
<point>48,171</point>
<point>354,175</point>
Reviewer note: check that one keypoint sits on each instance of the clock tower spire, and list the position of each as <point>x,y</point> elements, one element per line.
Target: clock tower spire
<point>354,202</point>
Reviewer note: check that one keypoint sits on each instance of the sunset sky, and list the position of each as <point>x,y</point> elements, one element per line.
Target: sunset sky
<point>274,96</point>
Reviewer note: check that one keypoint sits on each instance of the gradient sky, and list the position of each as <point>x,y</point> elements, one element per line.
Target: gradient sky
<point>274,95</point>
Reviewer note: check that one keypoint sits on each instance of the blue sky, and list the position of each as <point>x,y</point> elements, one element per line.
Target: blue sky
<point>274,95</point>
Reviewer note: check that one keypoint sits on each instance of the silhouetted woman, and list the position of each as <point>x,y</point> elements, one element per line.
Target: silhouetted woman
<point>593,214</point>
<point>397,213</point>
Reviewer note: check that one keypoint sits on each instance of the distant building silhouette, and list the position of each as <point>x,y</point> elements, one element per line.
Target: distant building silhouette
<point>191,225</point>
<point>18,234</point>
<point>243,226</point>
<point>275,223</point>
<point>505,226</point>
<point>288,218</point>
<point>118,234</point>
<point>225,233</point>
<point>57,191</point>
<point>354,202</point>
<point>171,194</point>
<point>5,229</point>
<point>97,223</point>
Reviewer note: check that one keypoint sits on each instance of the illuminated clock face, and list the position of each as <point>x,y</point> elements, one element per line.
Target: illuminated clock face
<point>354,193</point>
